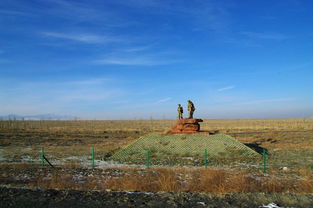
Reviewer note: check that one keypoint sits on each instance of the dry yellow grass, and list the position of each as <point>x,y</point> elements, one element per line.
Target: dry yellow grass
<point>157,125</point>
<point>289,142</point>
<point>183,180</point>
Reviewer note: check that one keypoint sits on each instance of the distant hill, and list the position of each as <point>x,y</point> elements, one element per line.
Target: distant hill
<point>38,117</point>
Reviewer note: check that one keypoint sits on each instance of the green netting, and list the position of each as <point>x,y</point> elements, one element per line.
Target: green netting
<point>178,147</point>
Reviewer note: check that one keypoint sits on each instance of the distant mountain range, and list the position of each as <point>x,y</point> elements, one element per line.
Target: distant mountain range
<point>39,117</point>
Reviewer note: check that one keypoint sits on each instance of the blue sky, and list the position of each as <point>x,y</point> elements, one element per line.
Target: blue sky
<point>137,59</point>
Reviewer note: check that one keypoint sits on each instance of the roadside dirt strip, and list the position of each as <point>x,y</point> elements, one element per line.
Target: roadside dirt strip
<point>18,197</point>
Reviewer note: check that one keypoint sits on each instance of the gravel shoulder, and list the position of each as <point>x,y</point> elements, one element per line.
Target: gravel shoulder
<point>20,197</point>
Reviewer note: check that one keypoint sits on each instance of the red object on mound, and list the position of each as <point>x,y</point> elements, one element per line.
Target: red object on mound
<point>186,126</point>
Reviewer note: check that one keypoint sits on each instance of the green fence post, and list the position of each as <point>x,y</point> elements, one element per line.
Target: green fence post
<point>93,157</point>
<point>264,161</point>
<point>42,156</point>
<point>148,159</point>
<point>206,160</point>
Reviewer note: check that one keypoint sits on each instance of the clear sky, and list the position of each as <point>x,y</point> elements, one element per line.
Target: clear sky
<point>137,59</point>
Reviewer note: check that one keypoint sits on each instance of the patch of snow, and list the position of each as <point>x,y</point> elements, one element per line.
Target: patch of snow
<point>26,158</point>
<point>270,205</point>
<point>201,203</point>
<point>189,158</point>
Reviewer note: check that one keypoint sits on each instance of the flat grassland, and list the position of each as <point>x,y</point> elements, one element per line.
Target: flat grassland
<point>67,144</point>
<point>288,141</point>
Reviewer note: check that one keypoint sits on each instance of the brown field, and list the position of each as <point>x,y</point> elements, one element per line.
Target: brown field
<point>288,141</point>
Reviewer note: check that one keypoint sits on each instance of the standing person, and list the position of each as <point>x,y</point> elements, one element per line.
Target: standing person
<point>180,112</point>
<point>191,108</point>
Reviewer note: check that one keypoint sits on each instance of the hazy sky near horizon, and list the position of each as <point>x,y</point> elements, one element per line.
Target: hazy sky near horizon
<point>137,59</point>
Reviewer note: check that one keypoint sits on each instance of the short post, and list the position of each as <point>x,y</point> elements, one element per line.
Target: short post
<point>264,161</point>
<point>148,158</point>
<point>206,160</point>
<point>93,157</point>
<point>42,156</point>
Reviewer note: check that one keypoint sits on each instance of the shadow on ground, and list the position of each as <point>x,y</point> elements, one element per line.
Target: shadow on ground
<point>256,147</point>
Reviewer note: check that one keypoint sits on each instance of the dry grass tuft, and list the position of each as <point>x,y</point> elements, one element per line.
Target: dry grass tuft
<point>209,180</point>
<point>167,179</point>
<point>20,166</point>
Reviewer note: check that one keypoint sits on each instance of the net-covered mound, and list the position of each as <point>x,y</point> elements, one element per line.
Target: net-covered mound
<point>183,149</point>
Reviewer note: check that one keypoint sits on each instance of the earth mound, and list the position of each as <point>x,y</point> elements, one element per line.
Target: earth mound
<point>182,146</point>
